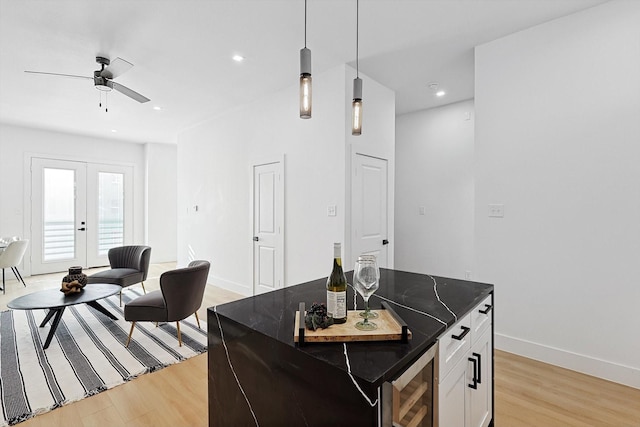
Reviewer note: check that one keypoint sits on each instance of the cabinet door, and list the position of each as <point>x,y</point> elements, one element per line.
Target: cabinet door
<point>479,399</point>
<point>452,397</point>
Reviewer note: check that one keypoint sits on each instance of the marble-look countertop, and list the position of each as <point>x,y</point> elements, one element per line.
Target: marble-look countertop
<point>428,304</point>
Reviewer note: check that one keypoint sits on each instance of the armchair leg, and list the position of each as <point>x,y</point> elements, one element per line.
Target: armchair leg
<point>18,275</point>
<point>197,319</point>
<point>143,289</point>
<point>133,325</point>
<point>179,334</point>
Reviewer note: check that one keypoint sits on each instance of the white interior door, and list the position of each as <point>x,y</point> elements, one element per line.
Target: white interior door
<point>268,237</point>
<point>79,211</point>
<point>370,208</point>
<point>58,215</point>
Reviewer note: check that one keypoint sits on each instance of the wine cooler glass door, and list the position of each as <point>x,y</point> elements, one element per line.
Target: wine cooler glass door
<point>412,394</point>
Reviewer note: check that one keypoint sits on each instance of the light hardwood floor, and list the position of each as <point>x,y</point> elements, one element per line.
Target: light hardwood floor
<point>527,392</point>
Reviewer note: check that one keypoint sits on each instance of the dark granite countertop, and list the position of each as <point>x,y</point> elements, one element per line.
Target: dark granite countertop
<point>413,296</point>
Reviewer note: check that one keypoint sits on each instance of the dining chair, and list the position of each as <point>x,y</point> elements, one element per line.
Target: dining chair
<point>180,296</point>
<point>129,266</point>
<point>11,257</point>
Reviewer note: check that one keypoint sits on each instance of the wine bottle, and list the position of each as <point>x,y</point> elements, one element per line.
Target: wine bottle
<point>337,288</point>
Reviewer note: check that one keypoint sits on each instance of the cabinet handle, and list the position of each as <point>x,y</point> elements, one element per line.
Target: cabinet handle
<point>465,331</point>
<point>479,366</point>
<point>487,309</point>
<point>475,378</point>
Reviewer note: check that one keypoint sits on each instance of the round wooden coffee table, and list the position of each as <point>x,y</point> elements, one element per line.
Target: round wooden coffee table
<point>56,302</point>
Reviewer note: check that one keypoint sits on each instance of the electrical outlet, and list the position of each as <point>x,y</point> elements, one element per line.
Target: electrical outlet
<point>421,210</point>
<point>496,210</point>
<point>467,275</point>
<point>331,210</point>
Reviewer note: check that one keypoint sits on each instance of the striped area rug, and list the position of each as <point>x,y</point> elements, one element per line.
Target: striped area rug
<point>86,356</point>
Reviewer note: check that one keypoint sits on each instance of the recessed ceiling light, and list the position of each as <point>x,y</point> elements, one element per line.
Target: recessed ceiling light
<point>238,58</point>
<point>440,93</point>
<point>113,130</point>
<point>157,108</point>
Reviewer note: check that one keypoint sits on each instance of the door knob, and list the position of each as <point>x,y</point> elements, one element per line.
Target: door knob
<point>385,242</point>
<point>255,238</point>
<point>81,229</point>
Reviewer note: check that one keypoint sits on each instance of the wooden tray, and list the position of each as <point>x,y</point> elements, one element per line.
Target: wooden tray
<point>390,328</point>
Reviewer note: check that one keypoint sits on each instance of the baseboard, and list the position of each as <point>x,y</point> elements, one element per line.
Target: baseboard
<point>230,286</point>
<point>621,374</point>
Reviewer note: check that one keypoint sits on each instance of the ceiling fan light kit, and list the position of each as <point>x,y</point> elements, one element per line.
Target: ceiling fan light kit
<point>99,81</point>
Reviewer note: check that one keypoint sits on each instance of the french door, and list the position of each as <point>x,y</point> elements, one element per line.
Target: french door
<point>79,211</point>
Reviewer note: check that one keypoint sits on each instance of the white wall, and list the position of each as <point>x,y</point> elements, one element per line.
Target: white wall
<point>558,142</point>
<point>17,144</point>
<point>434,170</point>
<point>214,172</point>
<point>161,227</point>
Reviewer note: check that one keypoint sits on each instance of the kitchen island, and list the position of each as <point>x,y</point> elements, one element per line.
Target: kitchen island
<point>259,376</point>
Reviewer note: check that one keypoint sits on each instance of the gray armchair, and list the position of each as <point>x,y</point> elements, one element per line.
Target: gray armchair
<point>129,266</point>
<point>180,296</point>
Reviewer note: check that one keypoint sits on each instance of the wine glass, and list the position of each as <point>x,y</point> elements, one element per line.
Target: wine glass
<point>366,276</point>
<point>369,314</point>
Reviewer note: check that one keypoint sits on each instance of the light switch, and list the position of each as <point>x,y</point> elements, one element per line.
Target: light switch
<point>331,210</point>
<point>496,210</point>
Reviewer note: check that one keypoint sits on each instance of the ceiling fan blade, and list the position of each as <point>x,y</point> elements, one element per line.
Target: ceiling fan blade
<point>128,92</point>
<point>117,67</point>
<point>58,74</point>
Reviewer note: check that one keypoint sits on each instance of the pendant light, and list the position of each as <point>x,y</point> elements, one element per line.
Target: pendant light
<point>356,114</point>
<point>305,74</point>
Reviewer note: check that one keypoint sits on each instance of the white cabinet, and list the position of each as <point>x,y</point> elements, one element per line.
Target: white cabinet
<point>464,377</point>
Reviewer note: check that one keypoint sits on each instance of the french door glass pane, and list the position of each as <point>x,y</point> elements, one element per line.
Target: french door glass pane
<point>59,214</point>
<point>110,211</point>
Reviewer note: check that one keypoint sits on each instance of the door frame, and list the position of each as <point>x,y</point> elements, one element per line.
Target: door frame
<point>280,185</point>
<point>27,204</point>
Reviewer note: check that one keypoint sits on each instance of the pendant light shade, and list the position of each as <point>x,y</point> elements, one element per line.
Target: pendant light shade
<point>305,74</point>
<point>305,83</point>
<point>356,106</point>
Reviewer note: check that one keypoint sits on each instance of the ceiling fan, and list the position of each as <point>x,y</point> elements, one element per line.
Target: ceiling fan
<point>103,78</point>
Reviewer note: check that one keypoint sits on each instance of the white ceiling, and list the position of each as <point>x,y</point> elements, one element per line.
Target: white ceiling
<point>182,52</point>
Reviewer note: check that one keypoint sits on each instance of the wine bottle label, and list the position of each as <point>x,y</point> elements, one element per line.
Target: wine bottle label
<point>337,304</point>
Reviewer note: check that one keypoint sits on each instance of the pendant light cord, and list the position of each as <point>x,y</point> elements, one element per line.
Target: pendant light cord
<point>305,23</point>
<point>357,34</point>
